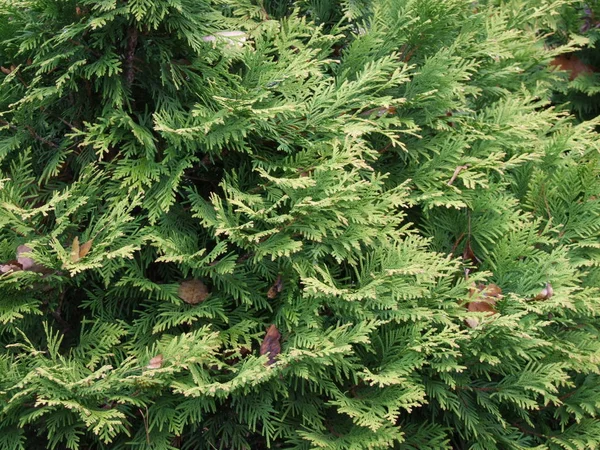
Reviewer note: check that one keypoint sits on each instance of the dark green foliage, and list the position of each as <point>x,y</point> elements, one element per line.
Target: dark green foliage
<point>580,21</point>
<point>347,171</point>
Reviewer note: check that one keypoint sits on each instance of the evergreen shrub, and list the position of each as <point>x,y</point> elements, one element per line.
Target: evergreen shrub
<point>239,224</point>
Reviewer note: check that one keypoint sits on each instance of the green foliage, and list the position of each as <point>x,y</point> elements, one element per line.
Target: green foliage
<point>580,22</point>
<point>346,171</point>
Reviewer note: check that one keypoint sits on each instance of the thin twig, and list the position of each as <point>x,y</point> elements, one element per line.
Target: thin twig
<point>91,50</point>
<point>458,241</point>
<point>145,417</point>
<point>526,431</point>
<point>31,132</point>
<point>457,171</point>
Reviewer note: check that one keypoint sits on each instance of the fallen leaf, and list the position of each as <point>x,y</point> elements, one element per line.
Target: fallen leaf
<point>305,173</point>
<point>545,293</point>
<point>276,288</point>
<point>156,362</point>
<point>379,112</point>
<point>5,71</point>
<point>193,292</point>
<point>28,263</point>
<point>271,345</point>
<point>272,293</point>
<point>85,248</point>
<point>25,261</point>
<point>472,322</point>
<point>488,295</point>
<point>10,266</point>
<point>80,251</point>
<point>469,254</point>
<point>75,250</point>
<point>572,64</point>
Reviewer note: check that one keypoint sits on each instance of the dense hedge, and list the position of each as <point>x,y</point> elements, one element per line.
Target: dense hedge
<point>238,224</point>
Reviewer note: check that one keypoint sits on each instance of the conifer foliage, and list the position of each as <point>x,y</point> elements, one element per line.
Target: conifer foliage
<point>237,224</point>
<point>580,90</point>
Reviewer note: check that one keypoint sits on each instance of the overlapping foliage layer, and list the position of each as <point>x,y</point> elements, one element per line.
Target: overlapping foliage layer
<point>356,177</point>
<point>580,90</point>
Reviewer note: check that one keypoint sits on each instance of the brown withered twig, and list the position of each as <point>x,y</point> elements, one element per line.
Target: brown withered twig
<point>457,171</point>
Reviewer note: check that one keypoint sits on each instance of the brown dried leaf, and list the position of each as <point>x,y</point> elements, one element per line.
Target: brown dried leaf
<point>545,293</point>
<point>75,250</point>
<point>489,290</point>
<point>469,254</point>
<point>28,263</point>
<point>272,293</point>
<point>472,322</point>
<point>10,266</point>
<point>379,112</point>
<point>276,288</point>
<point>25,261</point>
<point>271,345</point>
<point>485,306</point>
<point>156,362</point>
<point>79,251</point>
<point>488,295</point>
<point>193,291</point>
<point>5,71</point>
<point>572,64</point>
<point>85,248</point>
